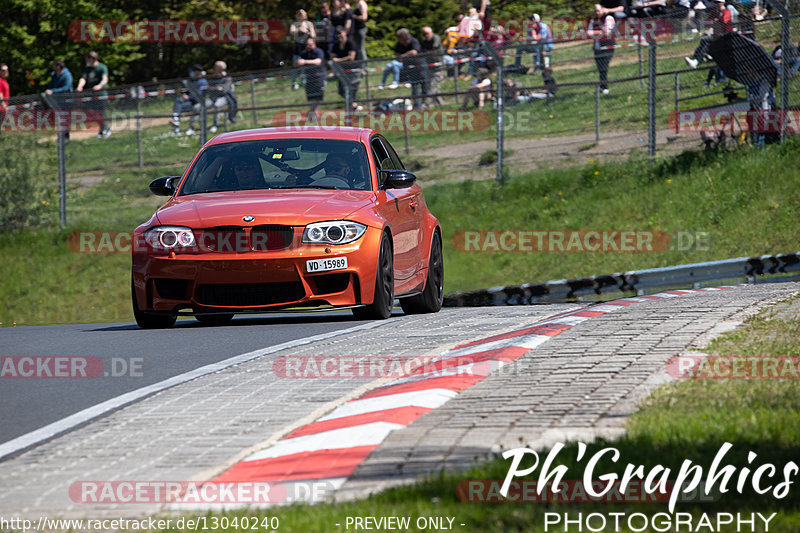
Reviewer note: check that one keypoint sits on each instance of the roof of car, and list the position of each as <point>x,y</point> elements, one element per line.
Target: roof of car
<point>295,132</point>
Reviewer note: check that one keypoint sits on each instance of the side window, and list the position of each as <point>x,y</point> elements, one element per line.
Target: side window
<point>382,158</point>
<point>398,165</point>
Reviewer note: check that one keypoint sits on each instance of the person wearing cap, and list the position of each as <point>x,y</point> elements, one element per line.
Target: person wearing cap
<point>721,23</point>
<point>539,44</point>
<point>186,102</point>
<point>95,79</point>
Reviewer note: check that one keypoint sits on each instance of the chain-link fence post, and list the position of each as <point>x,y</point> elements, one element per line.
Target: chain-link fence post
<point>597,112</point>
<point>253,99</point>
<point>651,98</point>
<point>677,101</point>
<point>139,130</point>
<point>343,79</point>
<point>493,54</point>
<point>785,63</point>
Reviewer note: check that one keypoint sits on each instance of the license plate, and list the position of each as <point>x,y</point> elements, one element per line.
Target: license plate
<point>321,265</point>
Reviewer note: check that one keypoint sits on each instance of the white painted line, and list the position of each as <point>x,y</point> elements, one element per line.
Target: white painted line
<point>569,320</point>
<point>81,417</point>
<point>431,398</point>
<point>531,341</point>
<point>350,437</point>
<point>605,308</point>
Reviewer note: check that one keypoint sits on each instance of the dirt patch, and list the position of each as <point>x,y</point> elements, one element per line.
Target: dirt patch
<point>459,162</point>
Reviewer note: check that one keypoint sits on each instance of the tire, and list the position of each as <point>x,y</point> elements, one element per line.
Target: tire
<point>214,320</point>
<point>431,298</point>
<point>147,320</point>
<point>381,306</point>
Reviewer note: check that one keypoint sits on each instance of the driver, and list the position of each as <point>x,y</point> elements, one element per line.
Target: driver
<point>335,166</point>
<point>248,173</point>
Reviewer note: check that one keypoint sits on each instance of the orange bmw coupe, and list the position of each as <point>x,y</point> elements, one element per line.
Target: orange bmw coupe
<point>288,217</point>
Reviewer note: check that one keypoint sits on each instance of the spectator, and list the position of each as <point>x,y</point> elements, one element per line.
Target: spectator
<point>60,79</point>
<point>519,94</point>
<point>648,8</point>
<point>312,59</point>
<point>540,44</point>
<point>615,8</point>
<point>792,57</point>
<point>341,16</point>
<point>479,91</point>
<point>301,30</point>
<point>360,17</point>
<point>5,93</point>
<point>601,30</point>
<point>95,78</point>
<point>432,50</point>
<point>344,53</point>
<point>721,24</point>
<point>466,29</point>
<point>406,48</point>
<point>187,103</point>
<point>484,10</point>
<point>221,95</point>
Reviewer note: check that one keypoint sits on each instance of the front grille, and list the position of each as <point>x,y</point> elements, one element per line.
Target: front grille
<point>271,237</point>
<point>251,295</point>
<point>233,239</point>
<point>174,289</point>
<point>331,283</point>
<point>229,239</point>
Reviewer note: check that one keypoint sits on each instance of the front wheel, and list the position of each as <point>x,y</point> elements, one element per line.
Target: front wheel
<point>381,306</point>
<point>431,298</point>
<point>147,320</point>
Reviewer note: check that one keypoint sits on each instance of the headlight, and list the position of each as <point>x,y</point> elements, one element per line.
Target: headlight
<point>333,232</point>
<point>170,238</point>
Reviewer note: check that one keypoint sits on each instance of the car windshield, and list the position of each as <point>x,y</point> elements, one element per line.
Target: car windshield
<point>279,164</point>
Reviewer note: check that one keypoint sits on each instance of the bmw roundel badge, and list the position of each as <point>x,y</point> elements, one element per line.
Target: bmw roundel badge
<point>248,218</point>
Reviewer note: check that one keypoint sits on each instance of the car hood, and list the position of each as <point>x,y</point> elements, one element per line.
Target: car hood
<point>289,207</point>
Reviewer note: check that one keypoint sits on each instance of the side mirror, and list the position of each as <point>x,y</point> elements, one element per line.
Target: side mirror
<point>163,186</point>
<point>398,179</point>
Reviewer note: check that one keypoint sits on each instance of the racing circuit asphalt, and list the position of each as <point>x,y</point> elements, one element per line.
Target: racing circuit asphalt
<point>27,404</point>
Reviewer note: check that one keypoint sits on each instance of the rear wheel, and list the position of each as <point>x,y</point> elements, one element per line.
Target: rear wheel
<point>147,320</point>
<point>431,298</point>
<point>381,306</point>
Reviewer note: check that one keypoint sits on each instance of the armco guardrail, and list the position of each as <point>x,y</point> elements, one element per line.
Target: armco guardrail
<point>638,281</point>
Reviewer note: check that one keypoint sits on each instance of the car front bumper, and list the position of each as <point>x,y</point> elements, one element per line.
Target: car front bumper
<point>254,281</point>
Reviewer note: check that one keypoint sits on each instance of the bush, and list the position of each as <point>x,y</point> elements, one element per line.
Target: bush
<point>28,182</point>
